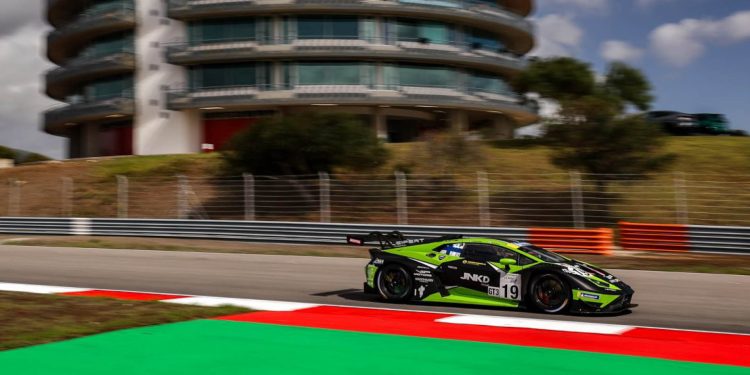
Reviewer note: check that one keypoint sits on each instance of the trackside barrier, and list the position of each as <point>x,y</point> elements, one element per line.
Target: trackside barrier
<point>654,237</point>
<point>596,241</point>
<point>683,238</point>
<point>591,241</point>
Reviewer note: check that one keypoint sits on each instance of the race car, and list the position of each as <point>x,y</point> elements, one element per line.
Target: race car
<point>489,272</point>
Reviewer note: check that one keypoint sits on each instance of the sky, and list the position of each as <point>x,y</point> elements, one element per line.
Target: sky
<point>696,53</point>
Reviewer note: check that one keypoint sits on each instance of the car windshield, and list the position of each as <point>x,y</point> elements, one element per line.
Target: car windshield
<point>543,254</point>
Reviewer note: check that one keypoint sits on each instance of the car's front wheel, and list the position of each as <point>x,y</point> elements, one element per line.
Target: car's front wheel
<point>550,293</point>
<point>394,283</point>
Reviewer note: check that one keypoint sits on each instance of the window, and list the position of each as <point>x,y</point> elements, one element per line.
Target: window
<point>454,250</point>
<point>227,75</point>
<point>488,83</point>
<point>484,40</point>
<point>314,27</point>
<point>226,29</point>
<point>328,74</point>
<point>109,88</point>
<point>429,32</point>
<point>481,252</point>
<point>417,75</point>
<point>108,45</point>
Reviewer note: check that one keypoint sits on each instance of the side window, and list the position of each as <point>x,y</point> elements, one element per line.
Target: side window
<point>455,250</point>
<point>508,253</point>
<point>524,261</point>
<point>481,253</point>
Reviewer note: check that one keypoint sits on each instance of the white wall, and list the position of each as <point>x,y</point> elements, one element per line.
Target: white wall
<point>156,129</point>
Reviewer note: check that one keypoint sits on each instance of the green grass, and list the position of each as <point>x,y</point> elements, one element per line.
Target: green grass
<point>157,165</point>
<point>32,319</point>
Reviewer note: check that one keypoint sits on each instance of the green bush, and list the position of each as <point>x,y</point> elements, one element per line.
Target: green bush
<point>305,144</point>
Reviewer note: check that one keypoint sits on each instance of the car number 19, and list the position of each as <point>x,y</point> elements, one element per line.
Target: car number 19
<point>510,288</point>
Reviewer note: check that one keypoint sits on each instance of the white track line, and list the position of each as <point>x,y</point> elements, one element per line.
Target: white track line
<point>548,325</point>
<point>38,289</point>
<point>254,304</point>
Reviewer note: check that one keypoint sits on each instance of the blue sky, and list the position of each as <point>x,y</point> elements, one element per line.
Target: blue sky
<point>696,53</point>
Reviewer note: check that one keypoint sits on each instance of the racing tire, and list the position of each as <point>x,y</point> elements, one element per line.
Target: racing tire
<point>549,293</point>
<point>394,283</point>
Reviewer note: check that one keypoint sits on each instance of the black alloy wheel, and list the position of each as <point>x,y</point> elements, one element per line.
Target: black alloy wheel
<point>549,293</point>
<point>394,283</point>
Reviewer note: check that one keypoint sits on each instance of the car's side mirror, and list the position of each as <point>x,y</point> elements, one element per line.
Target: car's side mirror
<point>507,262</point>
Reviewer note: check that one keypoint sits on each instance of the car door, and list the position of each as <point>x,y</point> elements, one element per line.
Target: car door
<point>474,271</point>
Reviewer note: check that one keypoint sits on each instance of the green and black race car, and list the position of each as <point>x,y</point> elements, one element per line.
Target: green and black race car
<point>490,272</point>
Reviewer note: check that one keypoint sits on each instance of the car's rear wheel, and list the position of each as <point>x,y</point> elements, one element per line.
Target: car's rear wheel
<point>394,283</point>
<point>550,293</point>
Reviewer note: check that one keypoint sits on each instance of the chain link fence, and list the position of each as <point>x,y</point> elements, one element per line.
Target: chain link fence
<point>477,199</point>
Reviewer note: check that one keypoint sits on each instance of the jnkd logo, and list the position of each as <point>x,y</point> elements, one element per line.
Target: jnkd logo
<point>476,278</point>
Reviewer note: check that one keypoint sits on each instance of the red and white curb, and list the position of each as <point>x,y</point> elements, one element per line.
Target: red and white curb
<point>671,344</point>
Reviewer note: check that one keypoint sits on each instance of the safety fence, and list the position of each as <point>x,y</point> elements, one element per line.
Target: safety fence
<point>632,236</point>
<point>563,240</point>
<point>558,200</point>
<point>684,238</point>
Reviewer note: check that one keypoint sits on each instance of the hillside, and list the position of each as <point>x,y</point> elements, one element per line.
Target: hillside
<point>524,189</point>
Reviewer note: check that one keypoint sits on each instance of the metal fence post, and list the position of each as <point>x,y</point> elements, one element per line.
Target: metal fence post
<point>483,196</point>
<point>67,197</point>
<point>325,197</point>
<point>123,190</point>
<point>576,196</point>
<point>14,197</point>
<point>402,203</point>
<point>680,197</point>
<point>248,183</point>
<point>182,197</point>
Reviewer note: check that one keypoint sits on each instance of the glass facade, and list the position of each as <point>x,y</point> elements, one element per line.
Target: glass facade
<point>333,73</point>
<point>104,89</point>
<point>103,6</point>
<point>328,27</point>
<point>227,30</point>
<point>424,31</point>
<point>488,83</point>
<point>480,39</point>
<point>228,75</point>
<point>420,75</point>
<point>108,45</point>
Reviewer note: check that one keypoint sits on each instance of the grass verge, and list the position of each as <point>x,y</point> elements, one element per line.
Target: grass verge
<point>32,319</point>
<point>676,262</point>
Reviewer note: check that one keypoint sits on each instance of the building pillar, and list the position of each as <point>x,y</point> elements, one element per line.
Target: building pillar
<point>380,123</point>
<point>504,127</point>
<point>459,121</point>
<point>156,128</point>
<point>90,144</point>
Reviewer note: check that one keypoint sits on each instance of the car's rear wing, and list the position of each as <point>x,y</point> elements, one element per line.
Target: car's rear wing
<point>392,239</point>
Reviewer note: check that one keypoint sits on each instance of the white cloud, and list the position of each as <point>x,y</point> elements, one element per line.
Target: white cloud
<point>557,35</point>
<point>679,44</point>
<point>618,50</point>
<point>21,90</point>
<point>591,5</point>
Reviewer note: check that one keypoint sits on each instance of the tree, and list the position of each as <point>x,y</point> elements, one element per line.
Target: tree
<point>592,133</point>
<point>7,153</point>
<point>305,144</point>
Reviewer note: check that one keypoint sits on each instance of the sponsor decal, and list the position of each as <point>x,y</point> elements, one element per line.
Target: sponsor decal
<point>419,292</point>
<point>575,270</point>
<point>378,261</point>
<point>442,257</point>
<point>589,296</point>
<point>484,279</point>
<point>471,263</point>
<point>494,292</point>
<point>423,276</point>
<point>452,267</point>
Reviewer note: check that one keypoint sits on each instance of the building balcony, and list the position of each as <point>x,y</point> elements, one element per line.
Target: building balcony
<point>271,96</point>
<point>520,7</point>
<point>63,80</point>
<point>374,49</point>
<point>64,43</point>
<point>481,15</point>
<point>57,120</point>
<point>63,12</point>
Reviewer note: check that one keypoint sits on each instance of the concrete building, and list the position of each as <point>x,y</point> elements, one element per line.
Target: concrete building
<point>182,76</point>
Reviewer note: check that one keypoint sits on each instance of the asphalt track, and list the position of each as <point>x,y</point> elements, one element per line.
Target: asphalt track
<point>667,299</point>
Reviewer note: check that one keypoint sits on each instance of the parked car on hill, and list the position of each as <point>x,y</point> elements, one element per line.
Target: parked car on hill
<point>672,122</point>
